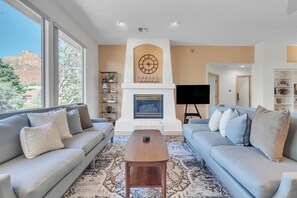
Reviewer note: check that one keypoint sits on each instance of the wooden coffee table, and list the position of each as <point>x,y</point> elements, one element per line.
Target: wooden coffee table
<point>146,162</point>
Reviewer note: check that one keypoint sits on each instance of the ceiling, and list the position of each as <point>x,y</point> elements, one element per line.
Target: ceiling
<point>202,22</point>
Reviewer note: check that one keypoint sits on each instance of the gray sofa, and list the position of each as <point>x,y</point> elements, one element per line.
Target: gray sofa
<point>52,173</point>
<point>245,170</point>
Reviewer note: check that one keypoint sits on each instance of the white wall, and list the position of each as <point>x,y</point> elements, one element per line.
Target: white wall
<point>58,15</point>
<point>228,82</point>
<point>268,57</point>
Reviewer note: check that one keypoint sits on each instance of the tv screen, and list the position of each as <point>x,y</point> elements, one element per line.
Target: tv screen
<point>192,94</point>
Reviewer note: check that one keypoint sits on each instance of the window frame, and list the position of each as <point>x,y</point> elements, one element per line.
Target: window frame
<point>32,12</point>
<point>49,52</point>
<point>69,38</point>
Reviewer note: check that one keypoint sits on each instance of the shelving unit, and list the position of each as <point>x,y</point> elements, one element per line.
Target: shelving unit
<point>285,90</point>
<point>108,95</point>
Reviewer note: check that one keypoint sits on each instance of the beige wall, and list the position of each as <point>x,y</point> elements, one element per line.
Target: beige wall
<point>292,54</point>
<point>188,62</point>
<point>112,58</point>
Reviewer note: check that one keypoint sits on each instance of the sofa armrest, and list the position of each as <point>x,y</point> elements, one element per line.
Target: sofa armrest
<point>198,121</point>
<point>288,186</point>
<point>98,120</point>
<point>6,190</point>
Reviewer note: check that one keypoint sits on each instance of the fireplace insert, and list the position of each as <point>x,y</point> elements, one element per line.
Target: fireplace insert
<point>148,106</point>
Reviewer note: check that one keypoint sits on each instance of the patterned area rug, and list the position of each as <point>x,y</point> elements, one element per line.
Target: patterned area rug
<point>185,177</point>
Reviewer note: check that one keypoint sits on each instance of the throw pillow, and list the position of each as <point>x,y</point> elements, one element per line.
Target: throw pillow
<point>238,130</point>
<point>10,145</point>
<point>84,115</point>
<point>74,122</point>
<point>214,121</point>
<point>224,121</point>
<point>38,140</point>
<point>269,132</point>
<point>59,117</point>
<point>234,114</point>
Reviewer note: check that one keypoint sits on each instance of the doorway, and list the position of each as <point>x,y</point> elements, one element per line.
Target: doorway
<point>243,90</point>
<point>213,81</point>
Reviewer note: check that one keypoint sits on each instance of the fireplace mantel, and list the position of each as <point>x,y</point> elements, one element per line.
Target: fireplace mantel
<point>147,86</point>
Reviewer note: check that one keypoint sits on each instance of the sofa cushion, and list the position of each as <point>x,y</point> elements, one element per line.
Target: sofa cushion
<point>84,115</point>
<point>10,128</point>
<point>224,121</point>
<point>74,122</point>
<point>242,110</point>
<point>259,175</point>
<point>269,132</point>
<point>238,130</point>
<point>234,114</point>
<point>86,141</point>
<point>104,127</point>
<point>35,177</point>
<point>214,121</point>
<point>206,140</point>
<point>59,117</point>
<point>191,128</point>
<point>38,140</point>
<point>290,149</point>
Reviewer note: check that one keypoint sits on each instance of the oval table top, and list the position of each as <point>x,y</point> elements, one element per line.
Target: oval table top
<point>153,151</point>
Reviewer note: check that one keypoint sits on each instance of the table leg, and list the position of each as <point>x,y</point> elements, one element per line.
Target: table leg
<point>164,180</point>
<point>127,179</point>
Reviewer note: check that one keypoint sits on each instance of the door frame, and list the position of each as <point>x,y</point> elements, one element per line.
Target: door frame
<point>217,85</point>
<point>250,88</point>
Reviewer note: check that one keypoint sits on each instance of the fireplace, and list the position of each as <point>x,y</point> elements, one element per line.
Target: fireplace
<point>149,102</point>
<point>148,106</point>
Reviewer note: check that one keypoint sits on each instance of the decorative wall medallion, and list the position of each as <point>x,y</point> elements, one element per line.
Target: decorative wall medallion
<point>148,64</point>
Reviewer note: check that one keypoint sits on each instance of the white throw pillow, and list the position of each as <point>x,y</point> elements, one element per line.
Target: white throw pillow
<point>214,121</point>
<point>59,117</point>
<point>41,139</point>
<point>224,121</point>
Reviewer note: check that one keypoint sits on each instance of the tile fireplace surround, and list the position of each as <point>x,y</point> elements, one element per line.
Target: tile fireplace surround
<point>125,124</point>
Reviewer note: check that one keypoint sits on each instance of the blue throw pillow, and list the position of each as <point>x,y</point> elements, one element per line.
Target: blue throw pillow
<point>238,130</point>
<point>10,128</point>
<point>73,120</point>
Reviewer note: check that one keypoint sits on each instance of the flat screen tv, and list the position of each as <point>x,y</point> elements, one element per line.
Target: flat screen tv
<point>192,94</point>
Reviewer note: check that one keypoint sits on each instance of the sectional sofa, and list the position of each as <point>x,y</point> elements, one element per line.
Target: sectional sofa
<point>245,170</point>
<point>52,173</point>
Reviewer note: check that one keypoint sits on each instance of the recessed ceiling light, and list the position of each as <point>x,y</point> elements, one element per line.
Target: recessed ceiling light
<point>176,23</point>
<point>120,23</point>
<point>242,66</point>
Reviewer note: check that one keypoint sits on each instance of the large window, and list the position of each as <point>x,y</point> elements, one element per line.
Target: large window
<point>31,76</point>
<point>70,68</point>
<point>20,58</point>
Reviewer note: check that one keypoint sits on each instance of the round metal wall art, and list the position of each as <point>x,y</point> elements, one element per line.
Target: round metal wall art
<point>148,64</point>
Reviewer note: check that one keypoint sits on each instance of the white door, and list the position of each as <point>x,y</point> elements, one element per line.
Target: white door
<point>243,91</point>
<point>212,81</point>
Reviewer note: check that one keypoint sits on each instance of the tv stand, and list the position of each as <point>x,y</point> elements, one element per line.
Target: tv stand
<point>191,114</point>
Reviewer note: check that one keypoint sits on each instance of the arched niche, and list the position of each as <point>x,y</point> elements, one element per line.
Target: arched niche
<point>144,58</point>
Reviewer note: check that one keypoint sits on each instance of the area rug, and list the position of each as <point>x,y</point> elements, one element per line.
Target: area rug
<point>185,177</point>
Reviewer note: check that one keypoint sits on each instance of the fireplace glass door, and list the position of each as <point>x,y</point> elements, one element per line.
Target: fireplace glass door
<point>148,106</point>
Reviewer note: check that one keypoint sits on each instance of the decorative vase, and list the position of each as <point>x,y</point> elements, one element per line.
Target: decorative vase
<point>108,109</point>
